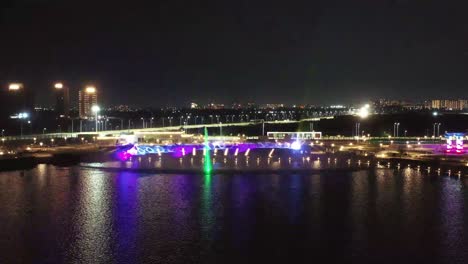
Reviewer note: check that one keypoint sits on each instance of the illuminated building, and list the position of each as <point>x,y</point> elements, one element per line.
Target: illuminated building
<point>62,100</point>
<point>86,99</point>
<point>294,135</point>
<point>455,104</point>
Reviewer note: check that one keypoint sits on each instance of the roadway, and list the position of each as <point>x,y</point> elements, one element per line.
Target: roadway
<point>157,129</point>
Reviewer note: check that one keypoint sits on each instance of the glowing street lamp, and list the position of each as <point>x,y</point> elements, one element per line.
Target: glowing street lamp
<point>363,112</point>
<point>96,109</point>
<point>22,116</point>
<point>396,128</point>
<point>58,85</point>
<point>15,86</point>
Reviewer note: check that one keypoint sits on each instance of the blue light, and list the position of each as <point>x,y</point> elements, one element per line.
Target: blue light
<point>296,145</point>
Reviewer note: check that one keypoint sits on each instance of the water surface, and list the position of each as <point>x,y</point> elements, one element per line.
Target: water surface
<point>75,215</point>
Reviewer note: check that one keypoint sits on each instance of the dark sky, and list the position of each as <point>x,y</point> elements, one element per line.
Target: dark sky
<point>173,52</point>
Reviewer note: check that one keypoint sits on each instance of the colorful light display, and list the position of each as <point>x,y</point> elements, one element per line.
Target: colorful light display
<point>296,145</point>
<point>181,150</point>
<point>454,143</point>
<point>207,166</point>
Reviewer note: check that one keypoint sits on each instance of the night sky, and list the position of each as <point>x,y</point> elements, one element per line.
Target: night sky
<point>175,52</point>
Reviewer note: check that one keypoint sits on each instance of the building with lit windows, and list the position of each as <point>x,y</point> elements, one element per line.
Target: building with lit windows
<point>62,100</point>
<point>455,104</point>
<point>86,99</point>
<point>294,135</point>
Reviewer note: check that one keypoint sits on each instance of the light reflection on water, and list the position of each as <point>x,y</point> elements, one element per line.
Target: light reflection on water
<point>74,215</point>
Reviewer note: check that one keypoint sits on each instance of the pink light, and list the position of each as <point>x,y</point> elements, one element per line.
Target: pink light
<point>133,151</point>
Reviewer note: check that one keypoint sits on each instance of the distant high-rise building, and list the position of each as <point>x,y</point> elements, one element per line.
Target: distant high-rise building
<point>86,99</point>
<point>62,100</point>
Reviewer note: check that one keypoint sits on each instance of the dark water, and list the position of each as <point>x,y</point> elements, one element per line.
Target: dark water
<point>74,215</point>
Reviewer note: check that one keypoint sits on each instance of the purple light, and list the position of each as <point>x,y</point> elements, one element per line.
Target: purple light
<point>184,149</point>
<point>454,143</point>
<point>123,156</point>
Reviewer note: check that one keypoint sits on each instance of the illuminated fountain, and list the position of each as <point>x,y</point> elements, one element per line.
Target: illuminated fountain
<point>454,143</point>
<point>181,150</point>
<point>207,165</point>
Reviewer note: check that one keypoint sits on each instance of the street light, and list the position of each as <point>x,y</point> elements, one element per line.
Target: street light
<point>395,129</point>
<point>363,112</point>
<point>95,109</point>
<point>22,116</point>
<point>356,129</point>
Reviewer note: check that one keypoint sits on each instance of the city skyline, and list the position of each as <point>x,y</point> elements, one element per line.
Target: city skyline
<point>63,97</point>
<point>308,53</point>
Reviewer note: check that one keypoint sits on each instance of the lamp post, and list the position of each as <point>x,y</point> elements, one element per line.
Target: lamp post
<point>263,127</point>
<point>96,109</point>
<point>395,129</point>
<point>22,116</point>
<point>434,125</point>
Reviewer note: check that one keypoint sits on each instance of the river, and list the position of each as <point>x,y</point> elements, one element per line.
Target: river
<point>79,215</point>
